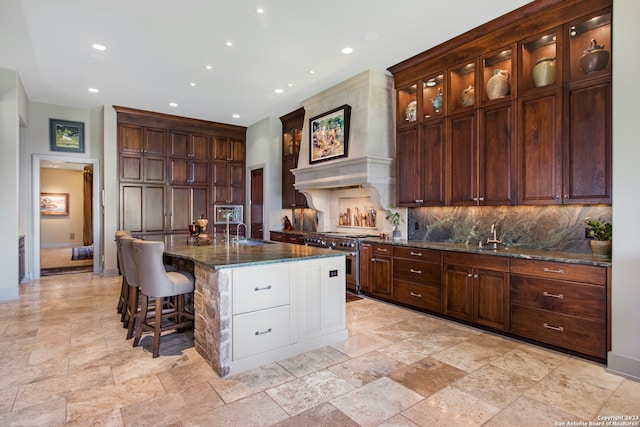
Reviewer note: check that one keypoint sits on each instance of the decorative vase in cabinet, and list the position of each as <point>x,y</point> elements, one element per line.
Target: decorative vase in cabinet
<point>437,101</point>
<point>468,96</point>
<point>594,58</point>
<point>410,112</point>
<point>544,72</point>
<point>499,85</point>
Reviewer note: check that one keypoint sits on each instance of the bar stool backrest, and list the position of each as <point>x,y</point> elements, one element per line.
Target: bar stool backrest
<point>128,262</point>
<point>152,276</point>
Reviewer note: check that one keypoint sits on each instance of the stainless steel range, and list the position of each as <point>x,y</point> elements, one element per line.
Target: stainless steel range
<point>349,243</point>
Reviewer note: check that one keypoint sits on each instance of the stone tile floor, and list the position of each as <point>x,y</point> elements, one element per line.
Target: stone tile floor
<point>65,361</point>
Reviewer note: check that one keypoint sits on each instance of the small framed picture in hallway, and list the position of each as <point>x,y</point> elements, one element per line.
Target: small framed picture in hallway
<point>66,136</point>
<point>54,203</point>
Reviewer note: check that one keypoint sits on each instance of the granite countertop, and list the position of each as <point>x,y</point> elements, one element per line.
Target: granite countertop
<point>538,254</point>
<point>219,254</point>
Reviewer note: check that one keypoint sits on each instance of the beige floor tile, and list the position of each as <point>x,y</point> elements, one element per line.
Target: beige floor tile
<point>321,415</point>
<point>304,393</point>
<point>528,412</point>
<point>376,402</point>
<point>50,413</point>
<point>359,344</point>
<point>171,408</point>
<point>570,394</point>
<point>106,419</point>
<point>366,368</point>
<point>427,376</point>
<point>529,361</point>
<point>255,410</point>
<point>250,382</point>
<point>589,372</point>
<point>7,397</point>
<point>495,385</point>
<point>398,421</point>
<point>625,400</point>
<point>452,408</point>
<point>475,352</point>
<point>185,376</point>
<point>313,361</point>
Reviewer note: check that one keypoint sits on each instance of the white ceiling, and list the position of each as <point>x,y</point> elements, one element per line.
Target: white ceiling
<point>156,48</point>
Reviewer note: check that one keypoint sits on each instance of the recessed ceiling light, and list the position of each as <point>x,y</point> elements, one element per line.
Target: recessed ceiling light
<point>290,84</point>
<point>98,46</point>
<point>192,84</point>
<point>236,116</point>
<point>311,72</point>
<point>173,104</point>
<point>228,44</point>
<point>93,90</point>
<point>259,10</point>
<point>208,67</point>
<point>347,50</point>
<point>278,91</point>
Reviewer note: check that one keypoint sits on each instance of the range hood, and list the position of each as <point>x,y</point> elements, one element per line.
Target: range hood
<point>369,167</point>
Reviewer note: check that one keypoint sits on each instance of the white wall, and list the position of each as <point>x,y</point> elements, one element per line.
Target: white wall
<point>9,182</point>
<point>264,151</point>
<point>625,353</point>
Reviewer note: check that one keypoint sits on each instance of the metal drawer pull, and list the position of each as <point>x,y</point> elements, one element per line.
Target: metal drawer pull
<point>265,288</point>
<point>555,328</point>
<point>416,253</point>
<point>547,294</point>
<point>263,332</point>
<point>381,249</point>
<point>549,270</point>
<point>415,271</point>
<point>415,295</point>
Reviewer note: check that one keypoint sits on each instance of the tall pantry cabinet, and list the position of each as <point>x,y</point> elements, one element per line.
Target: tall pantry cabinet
<point>172,170</point>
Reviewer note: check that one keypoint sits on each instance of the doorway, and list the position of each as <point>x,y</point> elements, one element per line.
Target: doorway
<point>92,220</point>
<point>257,203</point>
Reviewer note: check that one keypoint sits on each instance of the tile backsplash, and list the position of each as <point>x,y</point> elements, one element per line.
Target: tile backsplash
<point>558,228</point>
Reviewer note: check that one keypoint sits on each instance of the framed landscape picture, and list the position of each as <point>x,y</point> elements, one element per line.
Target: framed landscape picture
<point>329,135</point>
<point>54,203</point>
<point>66,136</point>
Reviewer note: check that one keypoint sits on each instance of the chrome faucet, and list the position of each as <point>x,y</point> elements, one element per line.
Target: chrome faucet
<point>495,239</point>
<point>238,230</point>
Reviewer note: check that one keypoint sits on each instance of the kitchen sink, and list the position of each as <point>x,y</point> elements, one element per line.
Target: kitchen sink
<point>251,242</point>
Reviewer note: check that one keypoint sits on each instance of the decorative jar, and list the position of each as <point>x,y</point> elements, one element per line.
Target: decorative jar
<point>437,102</point>
<point>498,86</point>
<point>468,96</point>
<point>410,112</point>
<point>544,72</point>
<point>594,58</point>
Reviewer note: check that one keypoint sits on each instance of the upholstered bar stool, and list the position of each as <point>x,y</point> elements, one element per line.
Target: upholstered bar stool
<point>130,271</point>
<point>156,282</point>
<point>124,289</point>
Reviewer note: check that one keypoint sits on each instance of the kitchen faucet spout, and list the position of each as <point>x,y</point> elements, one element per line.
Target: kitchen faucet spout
<point>495,239</point>
<point>238,230</point>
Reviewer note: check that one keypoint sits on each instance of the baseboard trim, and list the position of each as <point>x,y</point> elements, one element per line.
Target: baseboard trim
<point>624,366</point>
<point>9,294</point>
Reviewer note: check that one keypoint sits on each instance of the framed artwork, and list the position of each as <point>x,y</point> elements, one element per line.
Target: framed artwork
<point>329,135</point>
<point>54,203</point>
<point>66,136</point>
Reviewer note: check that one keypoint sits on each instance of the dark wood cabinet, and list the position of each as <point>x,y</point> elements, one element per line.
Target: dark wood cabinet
<point>529,144</point>
<point>420,163</point>
<point>167,172</point>
<point>292,125</point>
<point>561,304</point>
<point>280,236</point>
<point>378,276</point>
<point>476,289</point>
<point>417,278</point>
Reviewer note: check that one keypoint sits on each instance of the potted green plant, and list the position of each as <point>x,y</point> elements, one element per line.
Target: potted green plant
<point>600,234</point>
<point>394,218</point>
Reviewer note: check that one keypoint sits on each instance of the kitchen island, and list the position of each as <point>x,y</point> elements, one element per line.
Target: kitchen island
<point>257,302</point>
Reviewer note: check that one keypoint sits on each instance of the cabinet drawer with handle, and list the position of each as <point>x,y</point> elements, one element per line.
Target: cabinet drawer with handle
<point>560,270</point>
<point>417,254</point>
<point>424,273</point>
<point>260,331</point>
<point>574,333</point>
<point>577,299</point>
<point>425,297</point>
<point>260,287</point>
<point>382,250</point>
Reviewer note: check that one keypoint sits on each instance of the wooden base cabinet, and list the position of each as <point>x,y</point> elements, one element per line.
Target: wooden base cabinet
<point>376,270</point>
<point>476,289</point>
<point>417,278</point>
<point>561,304</point>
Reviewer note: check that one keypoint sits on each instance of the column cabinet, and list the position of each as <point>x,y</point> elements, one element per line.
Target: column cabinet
<point>476,289</point>
<point>292,125</point>
<point>526,108</point>
<point>166,169</point>
<point>376,271</point>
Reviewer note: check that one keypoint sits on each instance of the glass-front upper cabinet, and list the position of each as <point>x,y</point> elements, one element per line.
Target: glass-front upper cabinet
<point>540,64</point>
<point>462,83</point>
<point>433,94</point>
<point>497,75</point>
<point>589,46</point>
<point>407,105</point>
